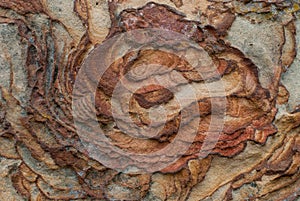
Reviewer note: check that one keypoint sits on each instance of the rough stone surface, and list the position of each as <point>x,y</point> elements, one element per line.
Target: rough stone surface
<point>254,48</point>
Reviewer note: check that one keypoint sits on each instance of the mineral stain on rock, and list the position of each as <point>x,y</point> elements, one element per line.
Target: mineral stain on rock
<point>42,157</point>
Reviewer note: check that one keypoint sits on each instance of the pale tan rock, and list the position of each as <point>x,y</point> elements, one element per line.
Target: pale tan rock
<point>254,47</point>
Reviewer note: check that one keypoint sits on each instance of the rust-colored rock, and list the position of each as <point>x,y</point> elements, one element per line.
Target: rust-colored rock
<point>252,45</point>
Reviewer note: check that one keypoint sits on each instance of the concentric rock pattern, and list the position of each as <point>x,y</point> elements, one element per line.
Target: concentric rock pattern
<point>252,45</point>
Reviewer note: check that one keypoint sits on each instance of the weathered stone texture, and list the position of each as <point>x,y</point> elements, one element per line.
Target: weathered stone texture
<point>254,46</point>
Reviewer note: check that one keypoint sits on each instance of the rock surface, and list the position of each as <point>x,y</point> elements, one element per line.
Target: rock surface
<point>235,138</point>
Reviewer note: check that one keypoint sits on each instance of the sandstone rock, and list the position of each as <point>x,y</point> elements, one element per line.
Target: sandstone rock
<point>199,100</point>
